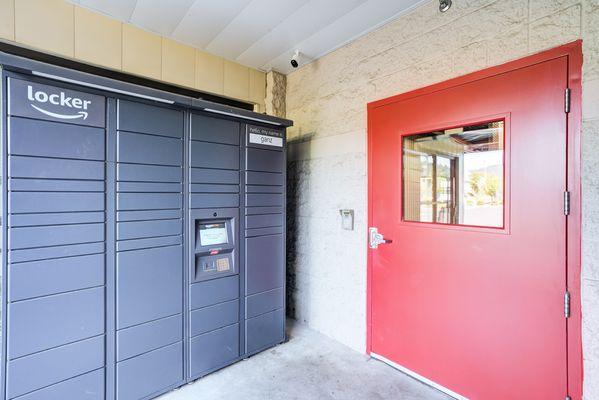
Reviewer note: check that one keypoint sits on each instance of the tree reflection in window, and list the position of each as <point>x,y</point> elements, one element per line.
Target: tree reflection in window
<point>455,176</point>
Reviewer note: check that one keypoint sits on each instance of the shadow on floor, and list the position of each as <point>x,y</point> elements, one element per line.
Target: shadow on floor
<point>309,366</point>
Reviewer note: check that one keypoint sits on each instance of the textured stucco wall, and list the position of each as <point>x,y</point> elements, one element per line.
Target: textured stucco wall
<point>327,170</point>
<point>276,84</point>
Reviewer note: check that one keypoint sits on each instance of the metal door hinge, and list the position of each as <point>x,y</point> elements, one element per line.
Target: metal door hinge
<point>566,202</point>
<point>567,304</point>
<point>567,100</point>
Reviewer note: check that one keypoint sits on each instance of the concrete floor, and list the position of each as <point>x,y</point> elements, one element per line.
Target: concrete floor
<point>309,366</point>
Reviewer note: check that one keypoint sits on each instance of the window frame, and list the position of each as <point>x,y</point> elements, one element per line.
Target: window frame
<point>505,229</point>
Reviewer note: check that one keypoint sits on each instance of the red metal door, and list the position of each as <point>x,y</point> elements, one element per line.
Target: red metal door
<point>468,183</point>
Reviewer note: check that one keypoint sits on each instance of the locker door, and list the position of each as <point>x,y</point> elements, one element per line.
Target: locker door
<point>264,183</point>
<point>149,260</point>
<point>214,308</point>
<point>56,283</point>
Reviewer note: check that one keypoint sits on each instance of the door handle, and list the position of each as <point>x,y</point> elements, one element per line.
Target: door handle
<point>375,238</point>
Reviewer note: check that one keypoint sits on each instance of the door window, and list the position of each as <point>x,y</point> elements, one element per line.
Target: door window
<point>455,176</point>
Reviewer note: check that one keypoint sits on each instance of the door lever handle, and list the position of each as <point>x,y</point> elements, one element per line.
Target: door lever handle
<point>375,238</point>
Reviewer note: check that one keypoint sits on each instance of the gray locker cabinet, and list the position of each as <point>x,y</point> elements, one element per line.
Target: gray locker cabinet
<point>214,304</point>
<point>149,249</point>
<point>264,231</point>
<point>55,317</point>
<point>111,292</point>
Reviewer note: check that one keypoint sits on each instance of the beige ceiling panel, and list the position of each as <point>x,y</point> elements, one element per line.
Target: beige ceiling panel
<point>46,25</point>
<point>178,63</point>
<point>237,81</point>
<point>97,39</point>
<point>142,52</point>
<point>119,9</point>
<point>209,73</point>
<point>257,86</point>
<point>7,19</point>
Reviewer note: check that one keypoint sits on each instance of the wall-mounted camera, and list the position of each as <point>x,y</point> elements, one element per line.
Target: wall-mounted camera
<point>444,5</point>
<point>295,59</point>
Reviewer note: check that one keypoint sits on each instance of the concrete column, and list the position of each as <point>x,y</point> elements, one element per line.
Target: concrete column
<point>276,88</point>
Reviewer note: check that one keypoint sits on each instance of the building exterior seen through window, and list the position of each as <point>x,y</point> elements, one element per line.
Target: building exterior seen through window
<point>455,176</point>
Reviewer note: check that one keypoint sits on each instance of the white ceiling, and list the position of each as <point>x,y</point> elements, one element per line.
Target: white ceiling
<point>262,34</point>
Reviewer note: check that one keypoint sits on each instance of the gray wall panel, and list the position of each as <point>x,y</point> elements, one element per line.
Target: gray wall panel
<point>214,200</point>
<point>264,178</point>
<point>264,200</point>
<point>206,188</point>
<point>89,386</point>
<point>137,244</point>
<point>263,221</point>
<point>148,373</point>
<point>148,173</point>
<point>146,229</point>
<point>55,168</point>
<point>264,160</point>
<point>145,215</point>
<point>149,187</point>
<point>214,129</point>
<point>50,139</point>
<point>21,238</point>
<point>275,230</point>
<point>36,371</point>
<point>210,318</point>
<point>55,252</point>
<point>54,185</point>
<point>35,202</point>
<point>148,201</point>
<point>214,291</point>
<point>147,149</point>
<point>265,267</point>
<point>263,210</point>
<point>46,322</point>
<point>55,218</point>
<point>142,338</point>
<point>138,117</point>
<point>264,302</point>
<point>149,285</point>
<point>265,330</point>
<point>212,155</point>
<point>41,278</point>
<point>204,175</point>
<point>264,189</point>
<point>213,349</point>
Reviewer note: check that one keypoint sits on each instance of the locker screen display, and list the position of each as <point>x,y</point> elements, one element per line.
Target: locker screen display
<point>213,234</point>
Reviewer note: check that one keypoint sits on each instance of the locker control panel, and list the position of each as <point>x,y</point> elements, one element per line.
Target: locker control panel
<point>214,247</point>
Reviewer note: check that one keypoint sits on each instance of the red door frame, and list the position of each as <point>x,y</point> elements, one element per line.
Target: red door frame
<point>573,52</point>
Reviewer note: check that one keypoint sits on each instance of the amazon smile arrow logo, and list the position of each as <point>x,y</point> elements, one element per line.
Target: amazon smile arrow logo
<point>80,114</point>
<point>61,100</point>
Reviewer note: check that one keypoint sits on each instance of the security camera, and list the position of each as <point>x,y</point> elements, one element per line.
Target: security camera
<point>295,59</point>
<point>444,5</point>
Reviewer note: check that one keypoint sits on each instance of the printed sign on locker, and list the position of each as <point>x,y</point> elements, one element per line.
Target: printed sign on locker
<point>264,136</point>
<point>35,100</point>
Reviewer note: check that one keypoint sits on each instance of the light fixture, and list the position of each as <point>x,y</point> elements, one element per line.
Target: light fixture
<point>444,5</point>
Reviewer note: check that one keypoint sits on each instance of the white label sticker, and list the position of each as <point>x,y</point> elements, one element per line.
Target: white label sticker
<point>266,140</point>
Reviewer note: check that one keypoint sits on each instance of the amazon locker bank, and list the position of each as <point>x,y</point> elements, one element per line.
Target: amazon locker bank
<point>143,235</point>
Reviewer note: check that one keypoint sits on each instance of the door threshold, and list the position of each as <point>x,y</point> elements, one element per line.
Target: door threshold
<point>418,377</point>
